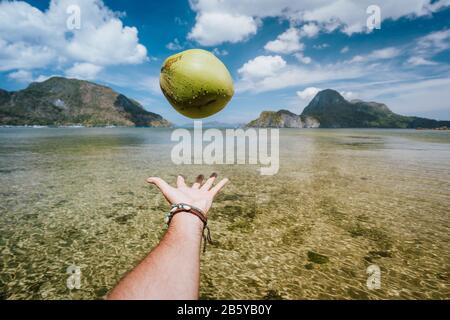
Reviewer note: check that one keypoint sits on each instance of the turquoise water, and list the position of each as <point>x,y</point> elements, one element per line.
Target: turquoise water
<point>77,196</point>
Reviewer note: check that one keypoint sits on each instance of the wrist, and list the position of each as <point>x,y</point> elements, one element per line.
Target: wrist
<point>187,223</point>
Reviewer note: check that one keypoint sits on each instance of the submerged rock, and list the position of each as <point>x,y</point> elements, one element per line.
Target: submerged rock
<point>317,257</point>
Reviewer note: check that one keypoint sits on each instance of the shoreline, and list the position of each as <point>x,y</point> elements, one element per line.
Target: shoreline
<point>70,126</point>
<point>183,127</point>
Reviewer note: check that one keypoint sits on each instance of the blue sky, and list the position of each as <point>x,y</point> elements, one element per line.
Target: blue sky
<point>280,53</point>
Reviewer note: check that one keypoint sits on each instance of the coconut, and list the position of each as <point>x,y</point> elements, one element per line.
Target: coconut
<point>196,83</point>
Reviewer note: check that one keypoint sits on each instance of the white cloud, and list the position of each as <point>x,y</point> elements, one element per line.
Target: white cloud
<point>25,76</point>
<point>419,61</point>
<point>416,96</point>
<point>386,53</point>
<point>85,71</point>
<point>23,55</point>
<point>302,58</point>
<point>407,97</point>
<point>347,15</point>
<point>257,76</point>
<point>174,45</point>
<point>308,93</point>
<point>214,28</point>
<point>435,42</point>
<point>349,95</point>
<point>108,44</point>
<point>287,42</point>
<point>380,54</point>
<point>42,77</point>
<point>428,46</point>
<point>419,52</point>
<point>31,39</point>
<point>345,49</point>
<point>219,52</point>
<point>310,30</point>
<point>432,44</point>
<point>350,16</point>
<point>21,76</point>
<point>321,46</point>
<point>261,67</point>
<point>375,65</point>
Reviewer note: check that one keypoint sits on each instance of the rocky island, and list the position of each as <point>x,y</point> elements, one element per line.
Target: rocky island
<point>329,109</point>
<point>283,119</point>
<point>60,101</point>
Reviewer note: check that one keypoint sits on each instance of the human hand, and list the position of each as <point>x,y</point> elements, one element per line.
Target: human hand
<point>200,196</point>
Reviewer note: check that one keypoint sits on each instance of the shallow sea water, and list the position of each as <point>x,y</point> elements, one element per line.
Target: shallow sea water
<point>342,200</point>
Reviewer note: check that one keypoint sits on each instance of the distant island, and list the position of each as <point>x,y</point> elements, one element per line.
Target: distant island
<point>283,119</point>
<point>60,101</point>
<point>329,109</point>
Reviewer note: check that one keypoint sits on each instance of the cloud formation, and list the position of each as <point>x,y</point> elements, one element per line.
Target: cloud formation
<point>33,39</point>
<point>308,93</point>
<point>87,71</point>
<point>285,43</point>
<point>22,76</point>
<point>267,73</point>
<point>175,45</point>
<point>242,16</point>
<point>262,67</point>
<point>380,54</point>
<point>428,46</point>
<point>289,41</point>
<point>212,28</point>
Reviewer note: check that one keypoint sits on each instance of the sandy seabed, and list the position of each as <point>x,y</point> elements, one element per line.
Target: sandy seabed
<point>342,200</point>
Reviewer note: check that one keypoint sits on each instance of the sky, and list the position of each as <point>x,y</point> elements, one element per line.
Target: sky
<point>280,53</point>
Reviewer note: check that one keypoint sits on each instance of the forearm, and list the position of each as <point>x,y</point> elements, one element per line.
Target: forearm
<point>171,270</point>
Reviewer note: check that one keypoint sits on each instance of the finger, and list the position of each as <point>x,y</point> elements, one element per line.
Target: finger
<point>180,182</point>
<point>219,186</point>
<point>208,184</point>
<point>160,183</point>
<point>198,181</point>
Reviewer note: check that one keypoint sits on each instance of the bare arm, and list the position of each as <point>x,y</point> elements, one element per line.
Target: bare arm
<point>171,270</point>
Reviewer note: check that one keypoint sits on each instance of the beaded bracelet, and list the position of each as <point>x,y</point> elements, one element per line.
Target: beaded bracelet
<point>182,207</point>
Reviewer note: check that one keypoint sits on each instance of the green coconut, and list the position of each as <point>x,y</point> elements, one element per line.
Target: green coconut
<point>196,83</point>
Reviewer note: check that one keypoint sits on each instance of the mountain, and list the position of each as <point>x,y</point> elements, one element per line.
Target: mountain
<point>62,101</point>
<point>328,109</point>
<point>282,119</point>
<point>333,111</point>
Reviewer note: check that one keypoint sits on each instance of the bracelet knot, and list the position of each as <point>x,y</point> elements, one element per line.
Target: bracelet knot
<point>183,207</point>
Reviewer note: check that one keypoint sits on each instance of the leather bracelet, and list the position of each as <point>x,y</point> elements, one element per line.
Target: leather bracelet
<point>183,207</point>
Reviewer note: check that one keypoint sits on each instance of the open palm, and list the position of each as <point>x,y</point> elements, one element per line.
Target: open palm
<point>198,195</point>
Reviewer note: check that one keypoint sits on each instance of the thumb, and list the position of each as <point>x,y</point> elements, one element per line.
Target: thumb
<point>160,183</point>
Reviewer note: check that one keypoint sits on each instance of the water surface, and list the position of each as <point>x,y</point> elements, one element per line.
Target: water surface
<point>342,200</point>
